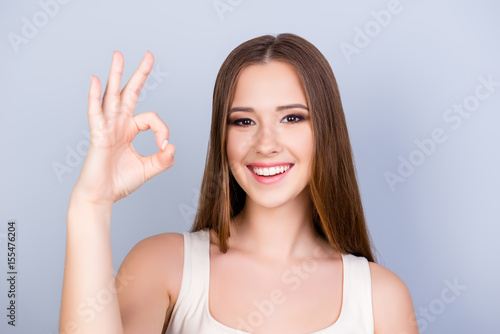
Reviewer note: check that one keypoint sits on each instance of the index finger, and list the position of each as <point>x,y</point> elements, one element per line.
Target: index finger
<point>132,89</point>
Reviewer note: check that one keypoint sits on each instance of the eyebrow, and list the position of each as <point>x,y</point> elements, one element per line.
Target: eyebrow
<point>280,108</point>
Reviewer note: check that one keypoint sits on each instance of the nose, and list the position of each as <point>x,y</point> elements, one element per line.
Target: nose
<point>267,141</point>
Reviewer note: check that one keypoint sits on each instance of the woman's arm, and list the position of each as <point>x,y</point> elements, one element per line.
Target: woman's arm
<point>89,303</point>
<point>111,171</point>
<point>393,310</point>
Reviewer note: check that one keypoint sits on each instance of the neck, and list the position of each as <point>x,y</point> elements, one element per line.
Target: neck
<point>280,234</point>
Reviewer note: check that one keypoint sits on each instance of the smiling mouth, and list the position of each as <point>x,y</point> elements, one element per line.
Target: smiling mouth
<point>270,171</point>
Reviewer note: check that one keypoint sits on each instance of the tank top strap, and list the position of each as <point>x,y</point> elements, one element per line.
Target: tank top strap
<point>195,276</point>
<point>197,262</point>
<point>358,296</point>
<point>200,259</point>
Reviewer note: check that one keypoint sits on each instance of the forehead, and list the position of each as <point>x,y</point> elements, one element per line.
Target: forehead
<point>273,82</point>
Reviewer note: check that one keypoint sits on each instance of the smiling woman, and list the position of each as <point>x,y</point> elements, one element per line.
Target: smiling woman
<point>279,95</point>
<point>279,243</point>
<point>274,90</point>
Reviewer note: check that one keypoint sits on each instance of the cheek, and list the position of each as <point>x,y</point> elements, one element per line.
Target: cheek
<point>301,144</point>
<point>232,146</point>
<point>236,148</point>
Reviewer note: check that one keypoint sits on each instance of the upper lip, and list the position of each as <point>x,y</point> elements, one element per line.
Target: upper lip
<point>269,164</point>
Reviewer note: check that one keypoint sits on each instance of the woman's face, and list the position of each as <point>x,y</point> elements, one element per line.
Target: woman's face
<point>269,123</point>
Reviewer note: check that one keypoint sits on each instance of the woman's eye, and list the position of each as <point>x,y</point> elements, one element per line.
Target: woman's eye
<point>239,122</point>
<point>244,122</point>
<point>298,117</point>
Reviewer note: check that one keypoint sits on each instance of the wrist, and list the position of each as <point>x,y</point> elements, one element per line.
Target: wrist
<point>82,208</point>
<point>79,199</point>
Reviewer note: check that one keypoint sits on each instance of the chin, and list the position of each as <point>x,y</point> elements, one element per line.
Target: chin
<point>270,199</point>
<point>270,205</point>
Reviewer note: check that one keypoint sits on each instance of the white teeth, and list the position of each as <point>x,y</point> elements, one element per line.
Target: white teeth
<point>270,171</point>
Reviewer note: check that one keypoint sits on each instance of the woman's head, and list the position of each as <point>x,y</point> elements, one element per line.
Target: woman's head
<point>337,210</point>
<point>269,130</point>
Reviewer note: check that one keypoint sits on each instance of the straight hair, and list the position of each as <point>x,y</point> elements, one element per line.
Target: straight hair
<point>338,215</point>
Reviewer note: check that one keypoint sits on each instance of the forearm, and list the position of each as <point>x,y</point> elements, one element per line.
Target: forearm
<point>89,301</point>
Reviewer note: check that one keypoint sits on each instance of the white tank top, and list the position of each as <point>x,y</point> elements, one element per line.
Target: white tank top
<point>191,314</point>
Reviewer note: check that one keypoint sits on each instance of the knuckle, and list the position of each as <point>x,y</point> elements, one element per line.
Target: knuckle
<point>135,91</point>
<point>126,106</point>
<point>93,96</point>
<point>112,94</point>
<point>130,93</point>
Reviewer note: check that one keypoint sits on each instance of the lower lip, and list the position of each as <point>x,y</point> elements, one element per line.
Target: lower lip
<point>269,179</point>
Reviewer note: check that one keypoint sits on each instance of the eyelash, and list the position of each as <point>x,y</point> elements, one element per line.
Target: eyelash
<point>236,121</point>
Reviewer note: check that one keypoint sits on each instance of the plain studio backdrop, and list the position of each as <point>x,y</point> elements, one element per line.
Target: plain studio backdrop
<point>420,86</point>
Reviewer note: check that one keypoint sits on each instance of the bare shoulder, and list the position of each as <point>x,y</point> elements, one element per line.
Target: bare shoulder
<point>393,310</point>
<point>165,254</point>
<point>148,282</point>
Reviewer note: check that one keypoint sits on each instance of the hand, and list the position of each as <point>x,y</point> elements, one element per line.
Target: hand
<point>112,168</point>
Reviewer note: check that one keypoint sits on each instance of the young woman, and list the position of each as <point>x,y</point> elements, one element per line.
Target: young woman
<point>279,243</point>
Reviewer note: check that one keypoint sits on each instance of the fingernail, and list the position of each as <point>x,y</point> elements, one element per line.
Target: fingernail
<point>173,152</point>
<point>165,142</point>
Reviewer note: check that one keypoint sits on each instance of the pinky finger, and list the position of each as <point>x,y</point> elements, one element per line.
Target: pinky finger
<point>94,111</point>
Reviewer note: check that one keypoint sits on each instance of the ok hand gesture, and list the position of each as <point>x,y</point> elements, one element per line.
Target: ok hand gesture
<point>112,168</point>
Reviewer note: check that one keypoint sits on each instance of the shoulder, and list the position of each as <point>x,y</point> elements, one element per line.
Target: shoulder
<point>165,247</point>
<point>159,256</point>
<point>393,310</point>
<point>148,281</point>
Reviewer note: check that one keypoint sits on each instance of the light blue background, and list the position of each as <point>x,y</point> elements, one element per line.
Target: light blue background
<point>441,224</point>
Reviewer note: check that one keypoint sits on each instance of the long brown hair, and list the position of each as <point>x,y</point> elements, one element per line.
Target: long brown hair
<point>337,209</point>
